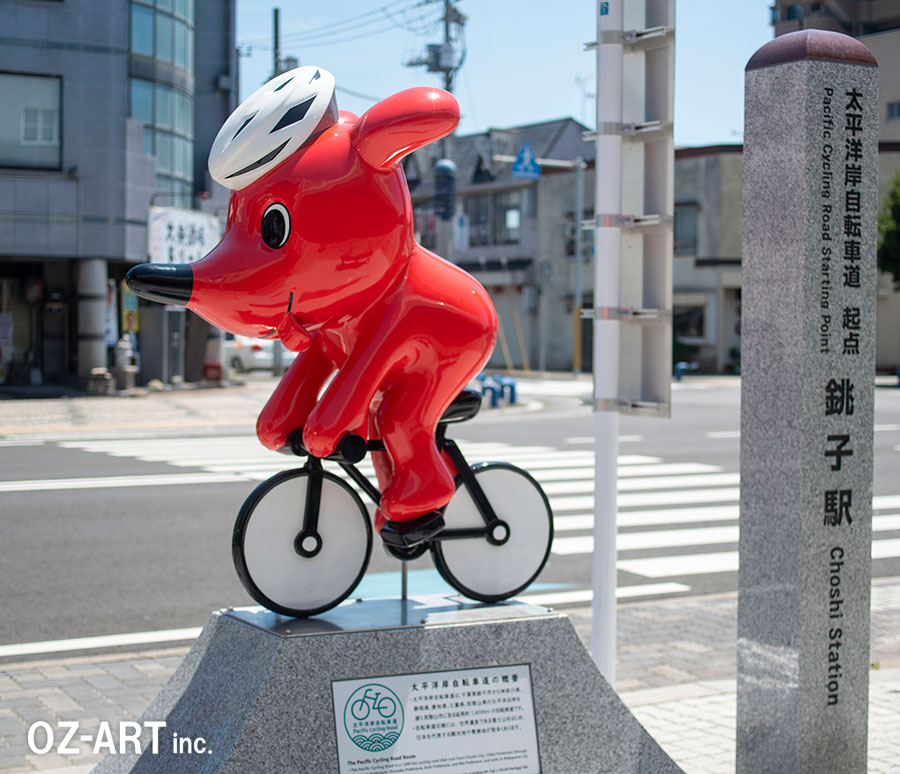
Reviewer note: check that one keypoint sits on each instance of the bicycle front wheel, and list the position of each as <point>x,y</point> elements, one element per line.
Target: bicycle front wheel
<point>267,562</point>
<point>482,570</point>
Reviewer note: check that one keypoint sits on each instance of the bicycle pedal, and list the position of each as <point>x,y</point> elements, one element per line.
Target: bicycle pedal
<point>406,534</point>
<point>405,553</point>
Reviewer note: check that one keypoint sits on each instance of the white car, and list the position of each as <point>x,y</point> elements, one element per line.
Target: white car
<point>245,354</point>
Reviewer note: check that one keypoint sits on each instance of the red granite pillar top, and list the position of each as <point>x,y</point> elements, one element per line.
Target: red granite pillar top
<point>821,45</point>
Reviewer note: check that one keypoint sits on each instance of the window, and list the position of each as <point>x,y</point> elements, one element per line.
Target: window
<point>142,30</point>
<point>182,158</point>
<point>165,32</point>
<point>180,45</point>
<point>685,228</point>
<point>40,127</point>
<point>425,227</point>
<point>164,107</point>
<point>507,217</point>
<point>142,100</point>
<point>893,111</point>
<point>168,116</point>
<point>773,18</point>
<point>164,152</point>
<point>30,127</point>
<point>496,219</point>
<point>478,208</point>
<point>688,323</point>
<point>164,37</point>
<point>794,11</point>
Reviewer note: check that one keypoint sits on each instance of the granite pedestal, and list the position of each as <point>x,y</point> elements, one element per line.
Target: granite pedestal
<point>807,363</point>
<point>260,690</point>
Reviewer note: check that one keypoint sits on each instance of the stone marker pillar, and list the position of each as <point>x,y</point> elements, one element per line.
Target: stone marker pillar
<point>808,366</point>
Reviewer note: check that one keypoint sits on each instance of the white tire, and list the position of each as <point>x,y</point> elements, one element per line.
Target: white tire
<point>483,570</point>
<point>263,545</point>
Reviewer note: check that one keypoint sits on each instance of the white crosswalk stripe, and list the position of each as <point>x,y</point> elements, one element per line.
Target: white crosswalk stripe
<point>663,504</point>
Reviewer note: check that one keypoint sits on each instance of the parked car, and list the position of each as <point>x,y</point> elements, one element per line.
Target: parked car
<point>245,354</point>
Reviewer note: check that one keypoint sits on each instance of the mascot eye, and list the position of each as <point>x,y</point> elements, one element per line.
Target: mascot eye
<point>276,225</point>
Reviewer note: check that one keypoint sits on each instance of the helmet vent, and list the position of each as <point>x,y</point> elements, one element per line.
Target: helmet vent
<point>243,126</point>
<point>259,162</point>
<point>315,77</point>
<point>293,115</point>
<point>279,88</point>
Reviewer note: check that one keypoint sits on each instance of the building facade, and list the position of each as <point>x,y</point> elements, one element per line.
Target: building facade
<point>875,22</point>
<point>707,259</point>
<point>516,235</point>
<point>109,107</point>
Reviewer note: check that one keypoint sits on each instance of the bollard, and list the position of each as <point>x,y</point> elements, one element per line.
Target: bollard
<point>507,388</point>
<point>490,386</point>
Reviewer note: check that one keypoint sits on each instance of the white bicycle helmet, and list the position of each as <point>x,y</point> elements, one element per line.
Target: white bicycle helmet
<point>273,122</point>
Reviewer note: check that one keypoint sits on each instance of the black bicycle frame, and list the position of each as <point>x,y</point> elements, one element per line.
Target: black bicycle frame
<point>465,475</point>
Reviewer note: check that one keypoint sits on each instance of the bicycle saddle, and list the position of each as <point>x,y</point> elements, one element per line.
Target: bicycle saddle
<point>465,406</point>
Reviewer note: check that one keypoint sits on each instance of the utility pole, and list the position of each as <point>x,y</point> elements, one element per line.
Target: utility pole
<point>280,64</point>
<point>276,41</point>
<point>277,69</point>
<point>442,58</point>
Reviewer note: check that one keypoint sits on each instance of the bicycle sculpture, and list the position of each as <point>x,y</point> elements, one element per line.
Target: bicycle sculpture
<point>319,252</point>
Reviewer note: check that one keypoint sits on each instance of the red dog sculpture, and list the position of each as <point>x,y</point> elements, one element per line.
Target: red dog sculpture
<point>319,251</point>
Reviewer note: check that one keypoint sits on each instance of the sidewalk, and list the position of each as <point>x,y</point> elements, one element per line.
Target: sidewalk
<point>189,411</point>
<point>676,670</point>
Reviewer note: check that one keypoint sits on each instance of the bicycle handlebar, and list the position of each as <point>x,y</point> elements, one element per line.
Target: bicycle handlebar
<point>351,448</point>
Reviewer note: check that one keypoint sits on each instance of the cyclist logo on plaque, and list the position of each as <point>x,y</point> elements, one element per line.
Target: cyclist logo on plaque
<point>373,717</point>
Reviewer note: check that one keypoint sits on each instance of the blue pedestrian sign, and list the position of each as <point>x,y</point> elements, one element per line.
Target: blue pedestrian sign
<point>526,164</point>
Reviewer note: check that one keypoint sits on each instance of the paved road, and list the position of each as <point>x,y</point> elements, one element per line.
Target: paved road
<point>106,533</point>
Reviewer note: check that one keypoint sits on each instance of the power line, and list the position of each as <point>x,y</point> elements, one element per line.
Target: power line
<point>425,27</point>
<point>343,26</point>
<point>340,23</point>
<point>358,94</point>
<point>335,42</point>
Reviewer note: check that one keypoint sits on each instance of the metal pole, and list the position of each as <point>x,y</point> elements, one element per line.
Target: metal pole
<point>448,73</point>
<point>579,249</point>
<point>404,588</point>
<point>276,47</point>
<point>608,205</point>
<point>446,228</point>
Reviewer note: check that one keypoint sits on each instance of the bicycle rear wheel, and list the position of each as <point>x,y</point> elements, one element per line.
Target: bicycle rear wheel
<point>269,566</point>
<point>484,571</point>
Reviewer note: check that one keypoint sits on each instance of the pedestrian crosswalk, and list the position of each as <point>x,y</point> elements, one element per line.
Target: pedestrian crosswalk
<point>663,505</point>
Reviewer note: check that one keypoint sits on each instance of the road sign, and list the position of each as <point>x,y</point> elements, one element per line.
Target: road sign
<point>526,164</point>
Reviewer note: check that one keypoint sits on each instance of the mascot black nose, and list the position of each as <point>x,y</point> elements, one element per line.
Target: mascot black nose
<point>168,283</point>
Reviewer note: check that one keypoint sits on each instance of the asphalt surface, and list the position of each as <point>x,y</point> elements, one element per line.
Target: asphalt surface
<point>78,562</point>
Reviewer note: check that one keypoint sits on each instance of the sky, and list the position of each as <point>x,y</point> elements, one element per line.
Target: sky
<point>524,63</point>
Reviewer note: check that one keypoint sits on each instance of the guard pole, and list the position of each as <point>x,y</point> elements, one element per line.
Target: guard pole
<point>608,206</point>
